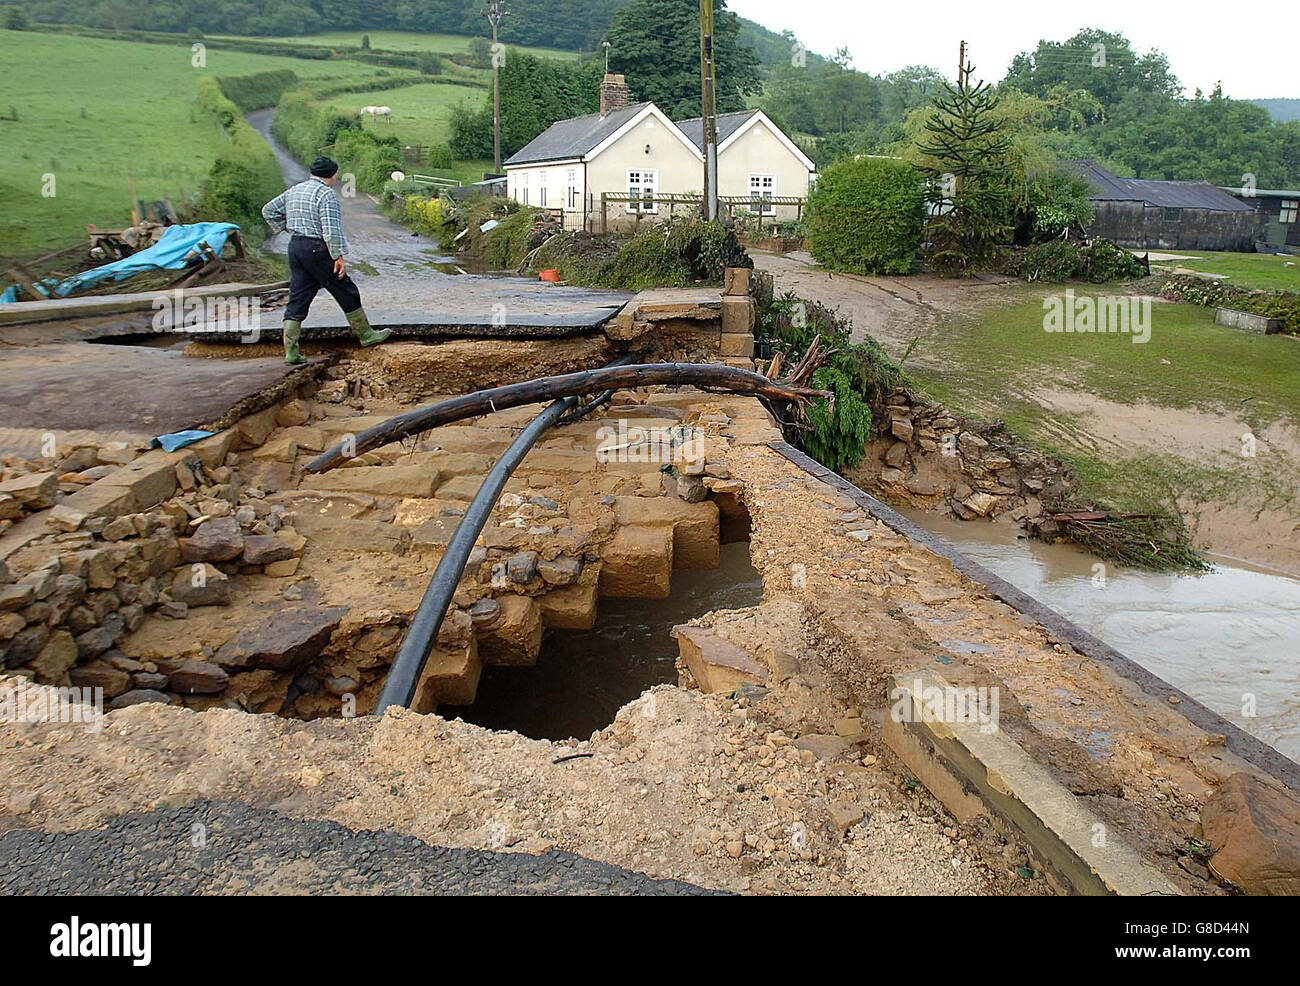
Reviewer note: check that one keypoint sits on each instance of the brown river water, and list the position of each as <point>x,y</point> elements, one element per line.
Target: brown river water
<point>1226,637</point>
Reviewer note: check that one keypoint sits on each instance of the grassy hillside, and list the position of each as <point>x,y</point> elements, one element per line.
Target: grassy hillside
<point>442,44</point>
<point>421,114</point>
<point>92,135</point>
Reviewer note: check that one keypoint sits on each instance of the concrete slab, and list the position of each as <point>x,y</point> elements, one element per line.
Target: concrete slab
<point>1066,835</point>
<point>128,392</point>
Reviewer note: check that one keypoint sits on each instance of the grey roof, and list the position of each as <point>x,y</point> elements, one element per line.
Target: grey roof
<point>1163,194</point>
<point>728,124</point>
<point>575,137</point>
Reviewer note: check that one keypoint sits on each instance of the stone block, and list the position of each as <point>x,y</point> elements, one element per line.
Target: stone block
<point>696,539</point>
<point>515,639</point>
<point>638,563</point>
<point>716,663</point>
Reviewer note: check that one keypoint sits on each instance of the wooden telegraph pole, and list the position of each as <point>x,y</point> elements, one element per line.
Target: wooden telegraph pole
<point>709,110</point>
<point>496,9</point>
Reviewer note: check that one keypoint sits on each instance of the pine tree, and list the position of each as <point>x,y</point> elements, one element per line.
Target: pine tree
<point>970,181</point>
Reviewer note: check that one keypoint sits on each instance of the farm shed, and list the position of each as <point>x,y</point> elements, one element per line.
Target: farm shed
<point>1277,210</point>
<point>1146,214</point>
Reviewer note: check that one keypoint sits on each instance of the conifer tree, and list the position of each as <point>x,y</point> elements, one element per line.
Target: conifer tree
<point>970,187</point>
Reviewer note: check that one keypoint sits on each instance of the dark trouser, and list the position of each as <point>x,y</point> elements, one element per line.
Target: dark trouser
<point>311,268</point>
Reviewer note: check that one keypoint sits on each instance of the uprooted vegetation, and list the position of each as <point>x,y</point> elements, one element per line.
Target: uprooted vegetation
<point>677,253</point>
<point>861,375</point>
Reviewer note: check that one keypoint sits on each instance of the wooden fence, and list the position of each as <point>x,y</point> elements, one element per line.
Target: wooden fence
<point>688,203</point>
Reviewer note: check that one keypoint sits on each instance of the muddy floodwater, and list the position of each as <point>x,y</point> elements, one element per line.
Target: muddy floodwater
<point>583,677</point>
<point>1222,637</point>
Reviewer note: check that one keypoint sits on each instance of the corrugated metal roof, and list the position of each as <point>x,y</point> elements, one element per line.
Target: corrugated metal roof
<point>728,124</point>
<point>574,138</point>
<point>1162,194</point>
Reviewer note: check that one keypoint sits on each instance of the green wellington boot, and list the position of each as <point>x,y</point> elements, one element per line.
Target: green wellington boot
<point>292,331</point>
<point>362,330</point>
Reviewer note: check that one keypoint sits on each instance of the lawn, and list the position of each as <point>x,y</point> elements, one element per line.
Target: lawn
<point>96,113</point>
<point>421,113</point>
<point>1248,270</point>
<point>993,365</point>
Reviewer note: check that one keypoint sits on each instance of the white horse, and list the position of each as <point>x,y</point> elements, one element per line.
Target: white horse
<point>375,111</point>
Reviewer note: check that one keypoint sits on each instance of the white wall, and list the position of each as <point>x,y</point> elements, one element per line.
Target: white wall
<point>759,151</point>
<point>525,184</point>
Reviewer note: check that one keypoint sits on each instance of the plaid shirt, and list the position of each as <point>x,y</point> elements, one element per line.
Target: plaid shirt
<point>309,208</point>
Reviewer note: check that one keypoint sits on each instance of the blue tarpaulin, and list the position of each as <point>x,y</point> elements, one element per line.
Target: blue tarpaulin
<point>169,253</point>
<point>179,439</point>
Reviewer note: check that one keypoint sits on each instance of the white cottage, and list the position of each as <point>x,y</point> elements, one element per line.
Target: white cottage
<point>636,150</point>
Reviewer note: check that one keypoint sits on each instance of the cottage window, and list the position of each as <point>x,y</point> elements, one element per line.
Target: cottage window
<point>573,189</point>
<point>1289,212</point>
<point>1173,215</point>
<point>641,187</point>
<point>523,189</point>
<point>761,190</point>
<point>541,191</point>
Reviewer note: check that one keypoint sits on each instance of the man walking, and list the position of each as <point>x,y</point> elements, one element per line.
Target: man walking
<point>310,211</point>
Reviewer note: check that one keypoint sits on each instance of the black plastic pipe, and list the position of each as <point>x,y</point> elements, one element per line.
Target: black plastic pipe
<point>422,635</point>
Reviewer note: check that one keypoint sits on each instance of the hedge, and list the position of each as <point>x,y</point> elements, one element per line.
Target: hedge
<point>867,216</point>
<point>259,90</point>
<point>245,175</point>
<point>309,128</point>
<point>1215,294</point>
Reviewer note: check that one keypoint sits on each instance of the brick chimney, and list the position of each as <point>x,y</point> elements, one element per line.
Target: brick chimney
<point>613,93</point>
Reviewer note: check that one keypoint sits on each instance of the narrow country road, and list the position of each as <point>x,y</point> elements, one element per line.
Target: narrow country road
<point>403,287</point>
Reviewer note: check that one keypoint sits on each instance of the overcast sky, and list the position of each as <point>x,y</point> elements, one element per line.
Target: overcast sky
<point>1250,46</point>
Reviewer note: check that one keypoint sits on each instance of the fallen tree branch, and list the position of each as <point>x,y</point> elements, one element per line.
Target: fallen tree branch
<point>703,375</point>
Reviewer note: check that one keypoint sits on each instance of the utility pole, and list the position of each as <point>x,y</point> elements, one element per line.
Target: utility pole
<point>709,107</point>
<point>496,9</point>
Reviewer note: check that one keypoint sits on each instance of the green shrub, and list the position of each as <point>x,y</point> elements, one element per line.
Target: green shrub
<point>259,90</point>
<point>861,375</point>
<point>245,175</point>
<point>1284,305</point>
<point>677,253</point>
<point>1107,262</point>
<point>867,216</point>
<point>1057,260</point>
<point>309,128</point>
<point>1061,260</point>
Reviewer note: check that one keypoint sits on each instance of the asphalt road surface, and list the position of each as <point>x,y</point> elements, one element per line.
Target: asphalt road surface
<point>227,847</point>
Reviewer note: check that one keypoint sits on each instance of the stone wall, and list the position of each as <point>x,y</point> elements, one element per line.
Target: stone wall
<point>927,456</point>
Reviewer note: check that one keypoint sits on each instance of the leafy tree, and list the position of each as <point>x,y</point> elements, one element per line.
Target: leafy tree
<point>1101,62</point>
<point>970,181</point>
<point>656,44</point>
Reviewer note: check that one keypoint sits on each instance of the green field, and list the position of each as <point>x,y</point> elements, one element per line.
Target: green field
<point>443,44</point>
<point>97,113</point>
<point>1248,270</point>
<point>421,114</point>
